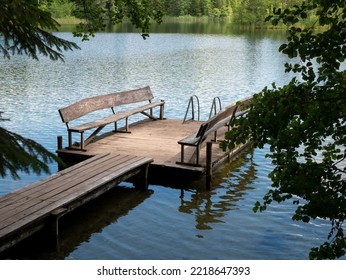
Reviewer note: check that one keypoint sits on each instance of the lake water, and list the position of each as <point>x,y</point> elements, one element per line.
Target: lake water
<point>184,222</point>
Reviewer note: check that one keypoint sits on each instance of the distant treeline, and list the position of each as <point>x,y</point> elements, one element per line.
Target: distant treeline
<point>236,11</point>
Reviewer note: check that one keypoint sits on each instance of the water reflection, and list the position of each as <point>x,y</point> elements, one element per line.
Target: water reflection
<point>170,223</point>
<point>230,184</point>
<point>78,226</point>
<point>210,27</point>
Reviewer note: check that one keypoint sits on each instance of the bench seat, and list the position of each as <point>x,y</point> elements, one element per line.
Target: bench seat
<point>116,117</point>
<point>108,101</point>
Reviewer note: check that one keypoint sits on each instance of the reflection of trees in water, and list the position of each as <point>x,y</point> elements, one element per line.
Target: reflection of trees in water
<point>230,183</point>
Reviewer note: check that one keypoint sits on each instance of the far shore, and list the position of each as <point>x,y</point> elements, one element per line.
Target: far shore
<point>182,19</point>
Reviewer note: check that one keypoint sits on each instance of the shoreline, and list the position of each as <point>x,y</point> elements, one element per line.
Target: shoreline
<point>183,19</point>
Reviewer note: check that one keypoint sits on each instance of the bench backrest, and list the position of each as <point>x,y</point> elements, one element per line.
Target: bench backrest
<point>91,104</point>
<point>223,117</point>
<point>243,105</point>
<point>220,119</point>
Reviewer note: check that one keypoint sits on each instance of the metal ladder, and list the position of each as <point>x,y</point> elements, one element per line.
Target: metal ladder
<point>192,105</point>
<point>216,101</point>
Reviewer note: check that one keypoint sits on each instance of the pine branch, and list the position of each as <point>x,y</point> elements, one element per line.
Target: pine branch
<point>21,154</point>
<point>23,28</point>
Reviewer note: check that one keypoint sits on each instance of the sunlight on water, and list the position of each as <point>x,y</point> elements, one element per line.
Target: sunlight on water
<point>165,223</point>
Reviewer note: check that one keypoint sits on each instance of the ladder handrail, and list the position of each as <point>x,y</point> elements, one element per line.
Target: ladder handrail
<point>191,103</point>
<point>213,106</point>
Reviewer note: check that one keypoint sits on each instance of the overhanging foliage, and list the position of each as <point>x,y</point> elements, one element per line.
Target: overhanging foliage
<point>24,30</point>
<point>97,14</point>
<point>304,122</point>
<point>22,154</point>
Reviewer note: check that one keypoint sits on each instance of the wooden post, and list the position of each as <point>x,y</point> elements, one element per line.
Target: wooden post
<point>59,141</point>
<point>209,167</point>
<point>54,226</point>
<point>141,179</point>
<point>162,110</point>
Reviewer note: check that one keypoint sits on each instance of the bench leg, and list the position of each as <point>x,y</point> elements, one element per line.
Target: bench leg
<point>182,156</point>
<point>92,136</point>
<point>82,140</point>
<point>70,144</point>
<point>70,139</point>
<point>127,124</point>
<point>197,154</point>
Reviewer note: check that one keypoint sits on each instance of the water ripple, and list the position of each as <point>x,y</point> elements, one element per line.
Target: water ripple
<point>170,223</point>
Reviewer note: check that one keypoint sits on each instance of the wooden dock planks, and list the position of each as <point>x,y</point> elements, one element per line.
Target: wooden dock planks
<point>159,140</point>
<point>27,210</point>
<point>155,139</point>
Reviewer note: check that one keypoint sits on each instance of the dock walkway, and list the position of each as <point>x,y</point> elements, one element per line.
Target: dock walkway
<point>27,210</point>
<point>157,140</point>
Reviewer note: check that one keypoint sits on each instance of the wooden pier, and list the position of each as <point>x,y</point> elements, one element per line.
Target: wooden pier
<point>179,148</point>
<point>159,141</point>
<point>41,204</point>
<point>172,149</point>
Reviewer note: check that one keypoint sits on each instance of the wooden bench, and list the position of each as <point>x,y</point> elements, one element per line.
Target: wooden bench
<point>29,209</point>
<point>108,101</point>
<point>221,119</point>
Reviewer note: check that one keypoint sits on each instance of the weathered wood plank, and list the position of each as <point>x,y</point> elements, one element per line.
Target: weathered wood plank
<point>57,192</point>
<point>91,104</point>
<point>49,206</point>
<point>20,195</point>
<point>61,184</point>
<point>110,101</point>
<point>53,176</point>
<point>114,118</point>
<point>73,191</point>
<point>157,140</point>
<point>149,139</point>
